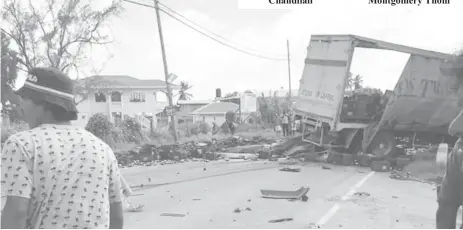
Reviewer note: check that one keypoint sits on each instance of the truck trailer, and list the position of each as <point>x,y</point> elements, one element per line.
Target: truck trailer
<point>416,113</point>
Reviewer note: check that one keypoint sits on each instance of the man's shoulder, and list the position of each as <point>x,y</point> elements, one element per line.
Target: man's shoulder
<point>22,136</point>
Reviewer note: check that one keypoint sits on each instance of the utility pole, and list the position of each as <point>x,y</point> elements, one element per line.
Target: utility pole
<point>289,69</point>
<point>166,71</point>
<point>289,92</point>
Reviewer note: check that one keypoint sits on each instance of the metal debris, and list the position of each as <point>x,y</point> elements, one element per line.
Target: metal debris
<point>361,194</point>
<point>325,167</point>
<point>173,214</point>
<point>278,194</point>
<point>280,220</point>
<point>305,198</point>
<point>286,169</point>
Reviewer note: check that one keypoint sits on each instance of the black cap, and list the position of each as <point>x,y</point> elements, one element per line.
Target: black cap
<point>49,85</point>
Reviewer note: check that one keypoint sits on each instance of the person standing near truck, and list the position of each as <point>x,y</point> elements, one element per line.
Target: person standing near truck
<point>450,192</point>
<point>285,124</point>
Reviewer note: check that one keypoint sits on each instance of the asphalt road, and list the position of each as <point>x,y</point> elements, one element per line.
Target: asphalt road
<point>209,197</point>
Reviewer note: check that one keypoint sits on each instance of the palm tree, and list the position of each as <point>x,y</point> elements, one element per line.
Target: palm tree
<point>354,83</point>
<point>358,81</point>
<point>184,87</point>
<point>350,82</point>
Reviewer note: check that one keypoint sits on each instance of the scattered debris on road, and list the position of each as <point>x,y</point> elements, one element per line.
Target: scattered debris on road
<point>286,169</point>
<point>361,194</point>
<point>304,198</point>
<point>280,220</point>
<point>137,194</point>
<point>237,210</point>
<point>312,225</point>
<point>173,214</point>
<point>248,209</point>
<point>406,176</point>
<point>278,194</point>
<point>325,167</point>
<point>149,155</point>
<point>400,175</point>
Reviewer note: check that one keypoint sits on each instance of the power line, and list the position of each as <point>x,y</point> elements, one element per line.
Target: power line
<point>140,4</point>
<point>223,43</point>
<point>207,35</point>
<point>202,27</point>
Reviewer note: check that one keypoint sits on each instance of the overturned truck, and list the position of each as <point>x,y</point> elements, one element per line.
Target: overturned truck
<point>416,113</point>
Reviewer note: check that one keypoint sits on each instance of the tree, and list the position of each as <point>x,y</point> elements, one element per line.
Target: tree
<point>358,82</point>
<point>354,82</point>
<point>350,82</point>
<point>58,33</point>
<point>84,87</point>
<point>233,94</point>
<point>184,87</point>
<point>9,73</point>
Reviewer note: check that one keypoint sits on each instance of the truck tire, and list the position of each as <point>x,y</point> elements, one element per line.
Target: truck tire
<point>384,145</point>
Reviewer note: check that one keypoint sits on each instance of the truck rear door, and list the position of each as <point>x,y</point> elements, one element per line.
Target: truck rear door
<point>321,89</point>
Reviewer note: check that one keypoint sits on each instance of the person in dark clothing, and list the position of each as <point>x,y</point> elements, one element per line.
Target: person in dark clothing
<point>285,125</point>
<point>450,192</point>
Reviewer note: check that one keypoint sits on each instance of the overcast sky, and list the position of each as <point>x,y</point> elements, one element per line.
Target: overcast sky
<point>207,65</point>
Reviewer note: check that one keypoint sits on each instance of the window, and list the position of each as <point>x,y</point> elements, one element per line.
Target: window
<point>116,96</point>
<point>137,97</point>
<point>100,97</point>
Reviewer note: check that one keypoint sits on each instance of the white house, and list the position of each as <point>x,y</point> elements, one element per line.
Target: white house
<point>119,96</point>
<point>214,112</point>
<point>183,115</point>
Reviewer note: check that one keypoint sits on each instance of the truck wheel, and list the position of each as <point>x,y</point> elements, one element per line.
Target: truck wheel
<point>384,144</point>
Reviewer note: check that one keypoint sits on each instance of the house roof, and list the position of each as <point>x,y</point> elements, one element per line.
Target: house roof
<point>216,108</point>
<point>124,81</point>
<point>193,102</point>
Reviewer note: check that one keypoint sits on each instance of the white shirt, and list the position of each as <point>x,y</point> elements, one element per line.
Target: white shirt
<point>70,176</point>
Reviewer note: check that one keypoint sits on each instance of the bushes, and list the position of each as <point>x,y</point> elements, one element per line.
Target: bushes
<point>132,131</point>
<point>204,128</point>
<point>129,131</point>
<point>99,125</point>
<point>190,129</point>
